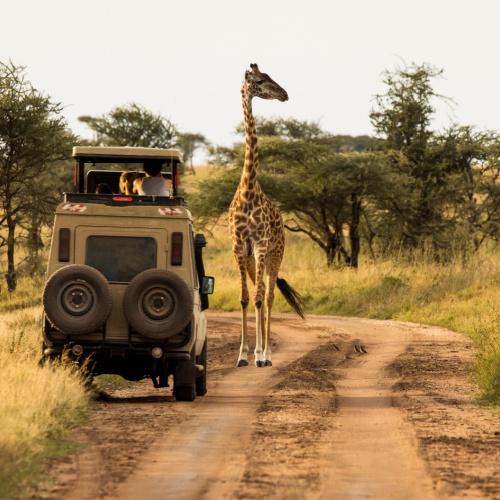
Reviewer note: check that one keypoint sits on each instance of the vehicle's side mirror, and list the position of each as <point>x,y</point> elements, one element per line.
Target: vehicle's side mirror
<point>207,285</point>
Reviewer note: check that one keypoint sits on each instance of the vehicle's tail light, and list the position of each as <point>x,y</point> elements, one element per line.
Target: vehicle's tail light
<point>122,198</point>
<point>176,257</point>
<point>64,244</point>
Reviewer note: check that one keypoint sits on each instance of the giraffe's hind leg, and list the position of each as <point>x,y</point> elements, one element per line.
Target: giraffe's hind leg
<point>273,268</point>
<point>260,258</point>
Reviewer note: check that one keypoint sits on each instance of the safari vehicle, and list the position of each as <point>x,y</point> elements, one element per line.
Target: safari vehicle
<point>126,287</point>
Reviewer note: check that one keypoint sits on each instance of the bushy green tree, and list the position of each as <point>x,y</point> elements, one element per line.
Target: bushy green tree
<point>471,160</point>
<point>132,125</point>
<point>402,117</point>
<point>33,138</point>
<point>322,192</point>
<point>451,191</point>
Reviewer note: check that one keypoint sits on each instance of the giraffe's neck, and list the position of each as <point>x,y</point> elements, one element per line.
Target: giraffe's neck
<point>249,174</point>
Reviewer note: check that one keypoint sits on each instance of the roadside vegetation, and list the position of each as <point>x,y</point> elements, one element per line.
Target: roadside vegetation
<point>460,295</point>
<point>39,405</point>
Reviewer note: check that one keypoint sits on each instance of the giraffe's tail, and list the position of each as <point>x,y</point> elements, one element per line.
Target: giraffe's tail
<point>293,297</point>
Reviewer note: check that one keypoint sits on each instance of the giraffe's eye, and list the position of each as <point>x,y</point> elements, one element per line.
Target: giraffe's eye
<point>259,82</point>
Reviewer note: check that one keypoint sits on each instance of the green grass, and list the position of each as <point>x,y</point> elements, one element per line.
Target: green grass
<point>464,297</point>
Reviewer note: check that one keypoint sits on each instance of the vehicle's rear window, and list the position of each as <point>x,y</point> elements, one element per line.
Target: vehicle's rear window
<point>120,258</point>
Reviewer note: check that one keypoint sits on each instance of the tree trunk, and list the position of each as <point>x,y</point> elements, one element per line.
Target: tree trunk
<point>335,251</point>
<point>371,234</point>
<point>354,229</point>
<point>11,240</point>
<point>331,249</point>
<point>35,243</point>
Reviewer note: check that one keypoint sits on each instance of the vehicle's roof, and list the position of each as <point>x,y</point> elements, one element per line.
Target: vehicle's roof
<point>126,153</point>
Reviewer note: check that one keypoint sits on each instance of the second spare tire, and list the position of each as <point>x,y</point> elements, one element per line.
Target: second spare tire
<point>158,304</point>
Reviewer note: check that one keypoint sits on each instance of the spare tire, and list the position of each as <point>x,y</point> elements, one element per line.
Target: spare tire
<point>77,299</point>
<point>158,304</point>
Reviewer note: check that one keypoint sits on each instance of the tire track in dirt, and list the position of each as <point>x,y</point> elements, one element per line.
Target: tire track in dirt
<point>459,439</point>
<point>125,423</point>
<point>284,455</point>
<point>206,454</point>
<point>371,449</point>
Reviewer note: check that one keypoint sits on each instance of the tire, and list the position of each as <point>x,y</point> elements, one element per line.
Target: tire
<point>77,299</point>
<point>201,379</point>
<point>158,304</point>
<point>185,393</point>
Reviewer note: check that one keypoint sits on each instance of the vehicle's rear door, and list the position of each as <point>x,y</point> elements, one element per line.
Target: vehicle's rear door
<point>119,256</point>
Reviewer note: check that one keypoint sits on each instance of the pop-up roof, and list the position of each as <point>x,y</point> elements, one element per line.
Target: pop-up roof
<point>125,153</point>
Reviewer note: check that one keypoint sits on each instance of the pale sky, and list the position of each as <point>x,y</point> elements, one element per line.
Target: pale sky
<point>186,58</point>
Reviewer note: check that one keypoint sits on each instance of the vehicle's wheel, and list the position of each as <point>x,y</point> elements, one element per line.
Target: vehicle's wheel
<point>77,299</point>
<point>158,304</point>
<point>185,393</point>
<point>201,378</point>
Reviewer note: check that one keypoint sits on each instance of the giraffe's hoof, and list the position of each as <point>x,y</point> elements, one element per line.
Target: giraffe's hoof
<point>268,362</point>
<point>260,364</point>
<point>242,362</point>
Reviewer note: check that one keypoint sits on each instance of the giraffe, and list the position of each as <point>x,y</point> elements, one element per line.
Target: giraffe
<point>257,230</point>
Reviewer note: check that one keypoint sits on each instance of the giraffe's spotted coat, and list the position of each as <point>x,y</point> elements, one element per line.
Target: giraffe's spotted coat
<point>256,224</point>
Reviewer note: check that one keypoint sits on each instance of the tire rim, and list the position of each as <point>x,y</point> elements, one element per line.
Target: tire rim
<point>157,303</point>
<point>77,298</point>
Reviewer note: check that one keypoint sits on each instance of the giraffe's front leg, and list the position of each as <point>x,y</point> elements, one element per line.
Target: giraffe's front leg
<point>259,308</point>
<point>267,327</point>
<point>243,356</point>
<point>244,300</point>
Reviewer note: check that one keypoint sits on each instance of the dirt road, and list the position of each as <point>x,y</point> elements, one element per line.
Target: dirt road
<point>352,408</point>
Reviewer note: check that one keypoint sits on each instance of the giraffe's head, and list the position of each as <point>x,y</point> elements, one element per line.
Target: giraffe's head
<point>262,85</point>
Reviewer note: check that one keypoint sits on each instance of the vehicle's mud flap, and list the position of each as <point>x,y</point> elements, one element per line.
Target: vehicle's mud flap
<point>185,381</point>
<point>185,373</point>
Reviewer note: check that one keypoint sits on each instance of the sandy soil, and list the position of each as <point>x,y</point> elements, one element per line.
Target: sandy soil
<point>326,421</point>
<point>459,440</point>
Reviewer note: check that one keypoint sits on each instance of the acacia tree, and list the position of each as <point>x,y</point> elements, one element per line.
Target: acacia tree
<point>402,117</point>
<point>325,192</point>
<point>451,196</point>
<point>33,135</point>
<point>44,195</point>
<point>132,125</point>
<point>472,160</point>
<point>189,142</point>
<point>320,190</point>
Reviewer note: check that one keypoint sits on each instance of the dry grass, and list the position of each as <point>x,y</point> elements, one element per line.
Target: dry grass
<point>28,294</point>
<point>39,404</point>
<point>464,297</point>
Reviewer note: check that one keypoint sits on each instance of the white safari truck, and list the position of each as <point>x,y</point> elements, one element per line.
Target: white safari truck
<point>126,287</point>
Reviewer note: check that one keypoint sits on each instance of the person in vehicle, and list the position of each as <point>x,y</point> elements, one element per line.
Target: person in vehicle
<point>154,183</point>
<point>129,182</point>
